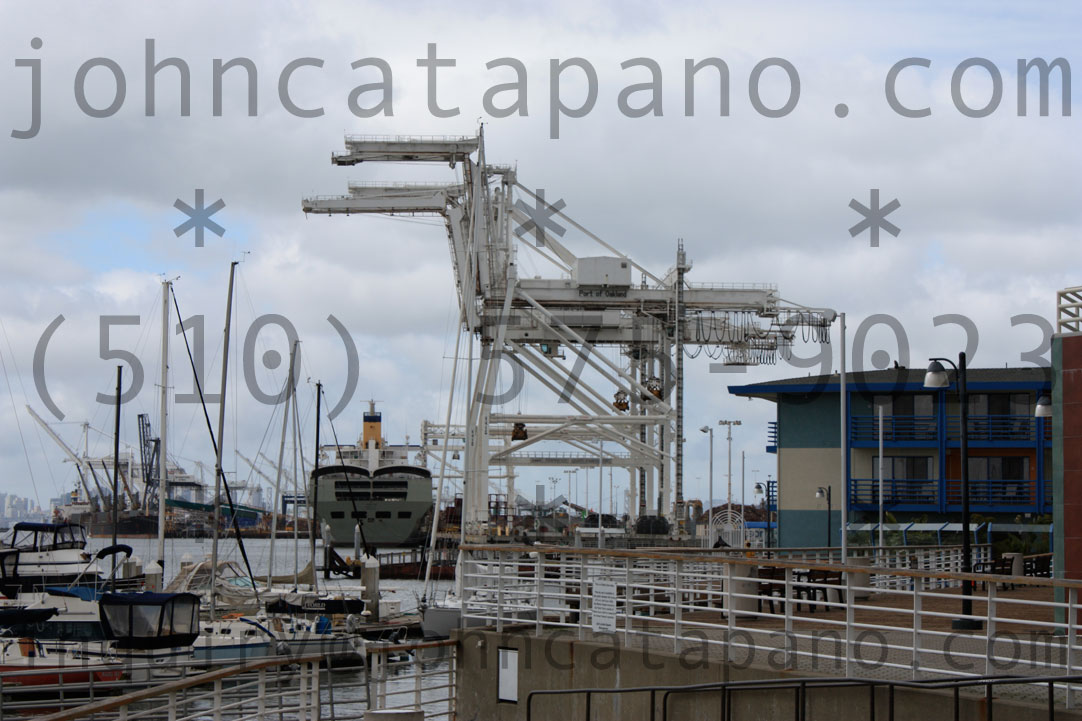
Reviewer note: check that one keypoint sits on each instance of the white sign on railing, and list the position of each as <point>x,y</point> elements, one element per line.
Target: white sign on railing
<point>604,607</point>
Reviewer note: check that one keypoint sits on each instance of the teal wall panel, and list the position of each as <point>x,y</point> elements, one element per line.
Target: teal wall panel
<point>809,422</point>
<point>805,528</point>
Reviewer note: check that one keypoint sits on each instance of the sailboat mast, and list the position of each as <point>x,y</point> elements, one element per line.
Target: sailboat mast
<point>218,473</point>
<point>116,466</point>
<point>443,472</point>
<point>313,494</point>
<point>162,464</point>
<point>288,390</point>
<point>296,508</point>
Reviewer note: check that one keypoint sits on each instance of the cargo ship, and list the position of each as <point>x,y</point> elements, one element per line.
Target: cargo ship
<point>374,485</point>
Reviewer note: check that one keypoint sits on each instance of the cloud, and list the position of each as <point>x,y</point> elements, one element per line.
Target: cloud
<point>988,211</point>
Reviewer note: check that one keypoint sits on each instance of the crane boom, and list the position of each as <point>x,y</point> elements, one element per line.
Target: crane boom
<point>71,456</point>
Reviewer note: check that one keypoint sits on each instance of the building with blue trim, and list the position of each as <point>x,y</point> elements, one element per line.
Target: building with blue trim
<point>1010,451</point>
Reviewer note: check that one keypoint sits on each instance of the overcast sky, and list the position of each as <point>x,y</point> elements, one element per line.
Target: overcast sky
<point>989,212</point>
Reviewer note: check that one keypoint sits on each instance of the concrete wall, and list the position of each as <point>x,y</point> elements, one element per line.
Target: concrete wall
<point>802,516</point>
<point>808,459</point>
<point>560,661</point>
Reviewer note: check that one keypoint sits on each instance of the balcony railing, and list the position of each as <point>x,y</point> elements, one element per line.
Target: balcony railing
<point>896,429</point>
<point>772,437</point>
<point>925,429</point>
<point>993,429</point>
<point>865,491</point>
<point>933,494</point>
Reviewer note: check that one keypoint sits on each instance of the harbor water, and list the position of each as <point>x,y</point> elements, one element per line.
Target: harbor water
<point>350,690</point>
<point>178,550</point>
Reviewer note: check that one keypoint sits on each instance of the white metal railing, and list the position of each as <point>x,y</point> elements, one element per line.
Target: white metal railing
<point>288,688</point>
<point>935,559</point>
<point>403,185</point>
<point>413,676</point>
<point>403,676</point>
<point>410,138</point>
<point>938,559</point>
<point>856,620</point>
<point>732,286</point>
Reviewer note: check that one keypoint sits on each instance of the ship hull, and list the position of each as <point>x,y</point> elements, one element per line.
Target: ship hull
<point>393,509</point>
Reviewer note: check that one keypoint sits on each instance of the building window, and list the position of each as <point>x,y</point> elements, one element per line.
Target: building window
<point>999,480</point>
<point>405,514</point>
<point>383,514</point>
<point>338,514</point>
<point>992,468</point>
<point>359,514</point>
<point>907,479</point>
<point>1000,404</point>
<point>903,468</point>
<point>905,404</point>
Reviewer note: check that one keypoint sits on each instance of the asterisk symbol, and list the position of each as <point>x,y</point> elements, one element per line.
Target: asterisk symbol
<point>540,217</point>
<point>875,218</point>
<point>199,217</point>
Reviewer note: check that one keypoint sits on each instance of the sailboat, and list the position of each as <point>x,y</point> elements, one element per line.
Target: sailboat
<point>26,663</point>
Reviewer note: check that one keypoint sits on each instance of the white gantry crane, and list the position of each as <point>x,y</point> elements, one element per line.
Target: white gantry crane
<point>607,409</point>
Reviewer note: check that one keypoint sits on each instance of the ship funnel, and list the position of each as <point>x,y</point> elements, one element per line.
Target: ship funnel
<point>372,426</point>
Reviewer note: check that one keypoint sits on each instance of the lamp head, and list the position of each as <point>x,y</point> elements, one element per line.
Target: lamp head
<point>705,429</point>
<point>758,489</point>
<point>820,492</point>
<point>1044,407</point>
<point>936,377</point>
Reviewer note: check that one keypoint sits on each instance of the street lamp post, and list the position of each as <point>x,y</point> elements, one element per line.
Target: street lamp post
<point>764,490</point>
<point>937,377</point>
<point>730,424</point>
<point>553,480</point>
<point>710,496</point>
<point>822,492</point>
<point>729,506</point>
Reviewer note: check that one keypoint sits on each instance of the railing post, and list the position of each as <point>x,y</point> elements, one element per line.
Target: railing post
<point>1072,637</point>
<point>582,597</point>
<point>849,620</point>
<point>499,591</point>
<point>218,700</point>
<point>261,689</point>
<point>330,695</point>
<point>990,632</point>
<point>629,602</point>
<point>417,671</point>
<point>730,616</point>
<point>539,598</point>
<point>173,706</point>
<point>917,609</point>
<point>790,600</point>
<point>315,709</point>
<point>302,692</point>
<point>678,615</point>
